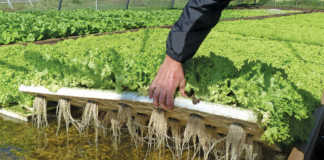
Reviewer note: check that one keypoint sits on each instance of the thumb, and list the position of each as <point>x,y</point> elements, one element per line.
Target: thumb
<point>182,88</point>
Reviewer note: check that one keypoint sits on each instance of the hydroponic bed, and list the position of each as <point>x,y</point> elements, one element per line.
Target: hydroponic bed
<point>271,66</point>
<point>215,115</point>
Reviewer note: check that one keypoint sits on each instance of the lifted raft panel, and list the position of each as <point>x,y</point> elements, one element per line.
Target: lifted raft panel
<point>216,115</point>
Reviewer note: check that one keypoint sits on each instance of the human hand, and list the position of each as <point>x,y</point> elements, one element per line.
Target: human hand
<point>166,82</point>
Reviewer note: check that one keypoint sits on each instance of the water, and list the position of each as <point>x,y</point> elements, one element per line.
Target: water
<point>19,141</point>
<point>6,153</point>
<point>22,141</point>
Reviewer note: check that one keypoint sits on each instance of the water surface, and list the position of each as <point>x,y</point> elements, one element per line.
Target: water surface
<point>19,141</point>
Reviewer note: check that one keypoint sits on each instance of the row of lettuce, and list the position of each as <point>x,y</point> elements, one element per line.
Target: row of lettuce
<point>40,25</point>
<point>279,76</point>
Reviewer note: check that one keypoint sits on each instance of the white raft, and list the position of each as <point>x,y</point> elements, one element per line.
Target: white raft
<point>215,115</point>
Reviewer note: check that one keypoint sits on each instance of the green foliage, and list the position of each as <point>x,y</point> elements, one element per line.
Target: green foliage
<point>272,66</point>
<point>276,75</point>
<point>309,29</point>
<point>11,76</point>
<point>255,85</point>
<point>40,25</point>
<point>274,96</point>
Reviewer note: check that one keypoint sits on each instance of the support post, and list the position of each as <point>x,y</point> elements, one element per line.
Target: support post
<point>10,4</point>
<point>31,3</point>
<point>172,4</point>
<point>96,4</point>
<point>60,5</point>
<point>127,4</point>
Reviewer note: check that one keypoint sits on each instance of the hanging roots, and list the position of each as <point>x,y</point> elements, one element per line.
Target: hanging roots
<point>141,121</point>
<point>194,130</point>
<point>253,151</point>
<point>39,118</point>
<point>106,121</point>
<point>196,136</point>
<point>175,128</point>
<point>116,129</point>
<point>64,109</point>
<point>157,128</point>
<point>235,141</point>
<point>125,117</point>
<point>90,115</point>
<point>111,119</point>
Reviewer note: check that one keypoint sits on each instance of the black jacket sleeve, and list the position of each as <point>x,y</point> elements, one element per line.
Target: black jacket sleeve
<point>196,21</point>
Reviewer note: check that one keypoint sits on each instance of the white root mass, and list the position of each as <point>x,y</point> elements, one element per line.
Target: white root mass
<point>126,117</point>
<point>141,121</point>
<point>194,138</point>
<point>157,129</point>
<point>63,110</point>
<point>235,141</point>
<point>89,117</point>
<point>175,128</point>
<point>196,131</point>
<point>39,118</point>
<point>253,150</point>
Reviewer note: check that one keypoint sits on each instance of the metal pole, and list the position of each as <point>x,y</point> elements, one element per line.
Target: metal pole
<point>60,5</point>
<point>172,4</point>
<point>30,2</point>
<point>96,4</point>
<point>10,4</point>
<point>127,4</point>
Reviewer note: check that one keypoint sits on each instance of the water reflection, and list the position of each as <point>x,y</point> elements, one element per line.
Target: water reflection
<point>5,153</point>
<point>21,141</point>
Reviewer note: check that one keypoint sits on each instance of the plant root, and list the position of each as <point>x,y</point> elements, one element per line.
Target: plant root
<point>141,121</point>
<point>175,129</point>
<point>235,141</point>
<point>39,118</point>
<point>196,130</point>
<point>90,115</point>
<point>195,137</point>
<point>157,128</point>
<point>115,126</point>
<point>127,117</point>
<point>64,109</point>
<point>253,150</point>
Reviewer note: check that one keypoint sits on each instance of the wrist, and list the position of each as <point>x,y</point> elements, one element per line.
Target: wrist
<point>171,61</point>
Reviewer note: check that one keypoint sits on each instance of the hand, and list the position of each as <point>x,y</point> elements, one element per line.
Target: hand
<point>166,82</point>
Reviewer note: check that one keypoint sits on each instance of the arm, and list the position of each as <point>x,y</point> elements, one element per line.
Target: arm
<point>196,21</point>
<point>185,37</point>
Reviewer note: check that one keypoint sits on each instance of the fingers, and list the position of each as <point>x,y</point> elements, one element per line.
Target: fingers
<point>170,101</point>
<point>162,98</point>
<point>152,88</point>
<point>156,96</point>
<point>151,91</point>
<point>182,87</point>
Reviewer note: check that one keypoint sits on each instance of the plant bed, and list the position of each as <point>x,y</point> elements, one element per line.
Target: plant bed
<point>42,25</point>
<point>230,18</point>
<point>217,115</point>
<point>216,126</point>
<point>268,72</point>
